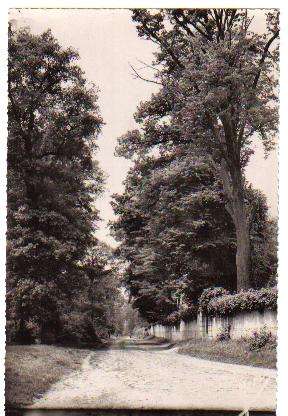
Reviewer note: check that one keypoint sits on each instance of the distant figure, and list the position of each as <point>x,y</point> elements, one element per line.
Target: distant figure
<point>146,333</point>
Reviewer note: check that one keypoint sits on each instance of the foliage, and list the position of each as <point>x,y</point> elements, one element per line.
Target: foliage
<point>209,294</point>
<point>243,301</point>
<point>261,339</point>
<point>217,92</point>
<point>56,270</point>
<point>264,253</point>
<point>224,334</point>
<point>187,313</point>
<point>184,313</point>
<point>172,320</point>
<point>175,233</point>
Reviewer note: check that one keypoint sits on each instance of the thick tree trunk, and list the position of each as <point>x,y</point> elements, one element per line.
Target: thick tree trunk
<point>234,188</point>
<point>243,254</point>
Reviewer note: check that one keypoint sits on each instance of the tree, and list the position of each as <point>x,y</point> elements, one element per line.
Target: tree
<point>218,91</point>
<point>94,311</point>
<point>52,180</point>
<point>176,235</point>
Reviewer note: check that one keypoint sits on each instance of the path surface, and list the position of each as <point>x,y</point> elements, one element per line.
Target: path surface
<point>144,376</point>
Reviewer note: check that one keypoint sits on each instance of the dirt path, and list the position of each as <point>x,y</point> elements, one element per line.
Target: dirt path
<point>129,379</point>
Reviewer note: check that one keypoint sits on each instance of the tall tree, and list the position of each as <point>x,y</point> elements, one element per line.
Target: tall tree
<point>52,178</point>
<point>175,234</point>
<point>218,91</point>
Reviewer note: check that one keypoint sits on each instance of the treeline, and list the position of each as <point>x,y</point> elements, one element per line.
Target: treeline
<point>188,219</point>
<point>62,284</point>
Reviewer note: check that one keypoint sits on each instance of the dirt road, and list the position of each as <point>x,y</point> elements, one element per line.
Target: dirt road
<point>161,379</point>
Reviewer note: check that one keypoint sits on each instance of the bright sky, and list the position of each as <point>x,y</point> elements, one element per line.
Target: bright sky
<point>107,41</point>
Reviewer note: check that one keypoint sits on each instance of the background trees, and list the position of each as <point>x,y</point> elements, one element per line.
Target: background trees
<point>53,180</point>
<point>219,87</point>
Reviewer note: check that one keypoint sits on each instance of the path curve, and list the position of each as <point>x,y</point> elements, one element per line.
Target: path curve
<point>143,379</point>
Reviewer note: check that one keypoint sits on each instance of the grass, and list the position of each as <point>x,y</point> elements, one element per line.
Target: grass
<point>231,351</point>
<point>31,370</point>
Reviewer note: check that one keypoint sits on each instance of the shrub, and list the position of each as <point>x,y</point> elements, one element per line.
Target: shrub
<point>187,312</point>
<point>261,339</point>
<point>173,319</point>
<point>184,313</point>
<point>77,328</point>
<point>224,334</point>
<point>249,300</point>
<point>210,294</point>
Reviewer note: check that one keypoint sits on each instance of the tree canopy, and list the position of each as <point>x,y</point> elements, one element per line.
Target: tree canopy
<point>176,236</point>
<point>53,181</point>
<point>218,89</point>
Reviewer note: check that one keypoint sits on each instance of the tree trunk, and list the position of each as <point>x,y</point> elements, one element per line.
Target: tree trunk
<point>234,188</point>
<point>243,254</point>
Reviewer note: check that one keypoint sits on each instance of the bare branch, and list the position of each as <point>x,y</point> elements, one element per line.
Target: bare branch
<point>143,79</point>
<point>148,66</point>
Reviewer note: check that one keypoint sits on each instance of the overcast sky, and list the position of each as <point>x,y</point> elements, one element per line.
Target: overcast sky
<point>107,41</point>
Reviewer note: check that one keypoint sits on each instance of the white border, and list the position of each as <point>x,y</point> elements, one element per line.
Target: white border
<point>260,4</point>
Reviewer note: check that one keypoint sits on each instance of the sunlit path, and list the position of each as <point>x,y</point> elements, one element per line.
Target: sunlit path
<point>129,378</point>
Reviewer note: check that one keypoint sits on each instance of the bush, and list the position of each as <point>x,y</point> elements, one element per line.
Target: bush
<point>261,339</point>
<point>187,312</point>
<point>77,328</point>
<point>224,334</point>
<point>173,319</point>
<point>210,294</point>
<point>244,301</point>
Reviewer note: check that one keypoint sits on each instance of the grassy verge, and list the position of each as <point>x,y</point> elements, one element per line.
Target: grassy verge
<point>232,351</point>
<point>30,370</point>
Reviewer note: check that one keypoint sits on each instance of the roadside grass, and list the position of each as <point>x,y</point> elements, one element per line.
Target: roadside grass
<point>31,370</point>
<point>230,351</point>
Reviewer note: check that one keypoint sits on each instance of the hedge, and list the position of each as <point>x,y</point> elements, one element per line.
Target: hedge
<point>244,301</point>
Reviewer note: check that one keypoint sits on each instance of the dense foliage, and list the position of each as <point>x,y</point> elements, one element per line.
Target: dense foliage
<point>173,228</point>
<point>217,301</point>
<point>55,267</point>
<point>209,294</point>
<point>217,92</point>
<point>177,237</point>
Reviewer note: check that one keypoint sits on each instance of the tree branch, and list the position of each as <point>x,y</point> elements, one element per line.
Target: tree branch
<point>144,79</point>
<point>263,57</point>
<point>163,44</point>
<point>148,66</point>
<point>181,24</point>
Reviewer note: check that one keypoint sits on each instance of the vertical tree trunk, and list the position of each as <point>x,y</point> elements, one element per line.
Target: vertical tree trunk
<point>234,188</point>
<point>243,254</point>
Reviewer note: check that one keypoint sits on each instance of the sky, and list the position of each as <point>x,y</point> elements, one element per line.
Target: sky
<point>107,42</point>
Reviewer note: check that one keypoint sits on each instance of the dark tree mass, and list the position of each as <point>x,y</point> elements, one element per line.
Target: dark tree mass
<point>188,218</point>
<point>178,238</point>
<point>218,90</point>
<point>52,182</point>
